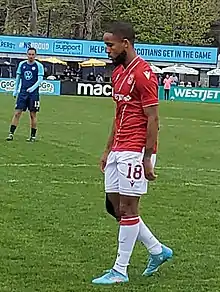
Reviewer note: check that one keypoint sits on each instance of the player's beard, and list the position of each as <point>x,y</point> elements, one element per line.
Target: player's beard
<point>120,59</point>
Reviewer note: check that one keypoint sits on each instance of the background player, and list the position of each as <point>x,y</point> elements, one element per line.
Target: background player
<point>127,160</point>
<point>30,74</point>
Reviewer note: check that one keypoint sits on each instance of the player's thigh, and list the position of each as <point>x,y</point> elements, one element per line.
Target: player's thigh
<point>21,102</point>
<point>111,174</point>
<point>17,113</point>
<point>132,181</point>
<point>34,103</point>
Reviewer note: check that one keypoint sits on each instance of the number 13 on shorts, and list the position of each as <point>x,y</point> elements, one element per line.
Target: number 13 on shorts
<point>37,104</point>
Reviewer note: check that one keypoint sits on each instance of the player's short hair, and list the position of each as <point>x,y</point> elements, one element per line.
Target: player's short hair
<point>32,49</point>
<point>123,30</point>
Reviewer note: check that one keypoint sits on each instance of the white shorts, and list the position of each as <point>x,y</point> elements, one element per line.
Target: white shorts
<point>124,173</point>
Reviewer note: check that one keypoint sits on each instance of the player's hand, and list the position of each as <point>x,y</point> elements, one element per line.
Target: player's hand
<point>103,160</point>
<point>29,90</point>
<point>15,93</point>
<point>149,170</point>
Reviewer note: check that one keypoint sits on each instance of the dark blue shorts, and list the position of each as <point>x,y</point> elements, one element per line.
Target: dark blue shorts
<point>30,101</point>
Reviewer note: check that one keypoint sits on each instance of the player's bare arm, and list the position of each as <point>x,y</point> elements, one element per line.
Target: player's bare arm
<point>110,138</point>
<point>152,114</point>
<point>108,147</point>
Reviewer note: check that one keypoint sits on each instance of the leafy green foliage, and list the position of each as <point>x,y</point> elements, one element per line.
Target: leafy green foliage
<point>179,21</point>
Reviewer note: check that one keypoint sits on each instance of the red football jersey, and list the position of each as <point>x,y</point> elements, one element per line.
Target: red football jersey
<point>134,88</point>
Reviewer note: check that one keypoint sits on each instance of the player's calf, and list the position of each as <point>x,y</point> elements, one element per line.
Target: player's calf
<point>128,232</point>
<point>14,123</point>
<point>16,117</point>
<point>32,136</point>
<point>33,123</point>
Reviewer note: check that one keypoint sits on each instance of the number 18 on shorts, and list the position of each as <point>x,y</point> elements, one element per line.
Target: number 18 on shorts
<point>124,173</point>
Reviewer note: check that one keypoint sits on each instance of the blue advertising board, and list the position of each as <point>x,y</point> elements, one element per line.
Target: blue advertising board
<point>47,87</point>
<point>96,49</point>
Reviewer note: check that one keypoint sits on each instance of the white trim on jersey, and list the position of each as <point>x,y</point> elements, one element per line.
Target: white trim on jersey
<point>129,65</point>
<point>132,87</point>
<point>126,76</point>
<point>151,104</point>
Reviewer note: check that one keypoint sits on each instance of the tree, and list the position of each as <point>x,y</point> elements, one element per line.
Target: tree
<point>62,17</point>
<point>179,21</point>
<point>91,14</point>
<point>193,24</point>
<point>16,17</point>
<point>33,18</point>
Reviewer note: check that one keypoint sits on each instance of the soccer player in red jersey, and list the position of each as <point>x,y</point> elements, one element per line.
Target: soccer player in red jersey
<point>130,155</point>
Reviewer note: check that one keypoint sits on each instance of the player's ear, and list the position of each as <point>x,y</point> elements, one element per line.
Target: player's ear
<point>126,43</point>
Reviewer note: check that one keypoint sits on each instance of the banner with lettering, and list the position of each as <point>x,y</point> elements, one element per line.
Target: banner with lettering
<point>97,49</point>
<point>195,94</point>
<point>47,87</point>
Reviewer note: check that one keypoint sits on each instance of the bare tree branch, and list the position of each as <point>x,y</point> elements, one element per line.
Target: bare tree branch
<point>78,22</point>
<point>105,5</point>
<point>20,8</point>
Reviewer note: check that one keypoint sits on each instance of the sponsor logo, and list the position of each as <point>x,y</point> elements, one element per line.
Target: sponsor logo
<point>37,45</point>
<point>130,79</point>
<point>68,47</point>
<point>147,74</point>
<point>28,75</point>
<point>94,89</point>
<point>121,97</point>
<point>7,85</point>
<point>7,45</point>
<point>197,94</point>
<point>46,87</point>
<point>132,183</point>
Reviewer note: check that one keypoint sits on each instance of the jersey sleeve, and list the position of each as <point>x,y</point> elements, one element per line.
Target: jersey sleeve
<point>19,68</point>
<point>147,85</point>
<point>40,69</point>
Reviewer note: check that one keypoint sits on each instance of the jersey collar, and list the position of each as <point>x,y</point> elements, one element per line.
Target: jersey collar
<point>31,63</point>
<point>132,63</point>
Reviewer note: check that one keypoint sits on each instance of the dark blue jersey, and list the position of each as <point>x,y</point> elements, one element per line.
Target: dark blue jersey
<point>29,74</point>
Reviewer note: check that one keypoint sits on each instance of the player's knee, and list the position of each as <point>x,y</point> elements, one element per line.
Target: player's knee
<point>33,116</point>
<point>17,114</point>
<point>125,209</point>
<point>128,207</point>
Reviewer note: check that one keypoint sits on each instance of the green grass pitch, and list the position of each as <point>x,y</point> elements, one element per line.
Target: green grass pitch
<point>55,235</point>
